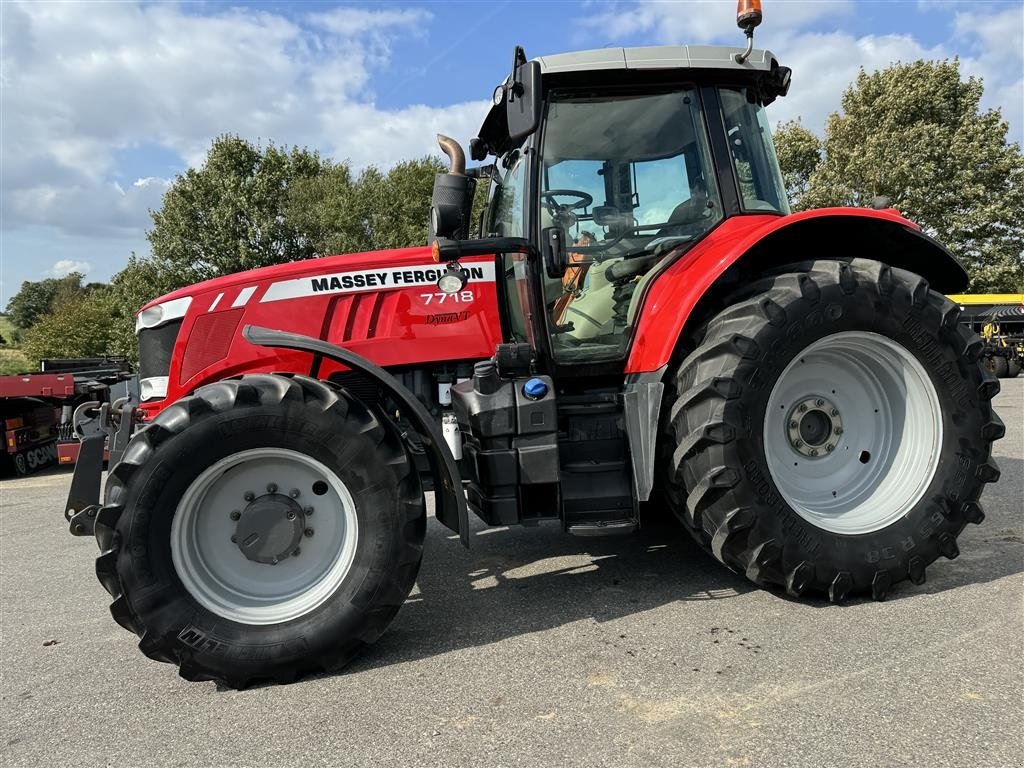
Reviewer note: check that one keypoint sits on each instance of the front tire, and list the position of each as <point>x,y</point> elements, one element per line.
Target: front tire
<point>832,431</point>
<point>263,528</point>
<point>998,366</point>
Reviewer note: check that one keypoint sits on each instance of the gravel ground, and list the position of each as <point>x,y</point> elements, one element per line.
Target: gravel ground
<point>537,649</point>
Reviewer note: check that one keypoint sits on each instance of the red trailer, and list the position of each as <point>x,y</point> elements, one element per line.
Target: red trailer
<point>36,410</point>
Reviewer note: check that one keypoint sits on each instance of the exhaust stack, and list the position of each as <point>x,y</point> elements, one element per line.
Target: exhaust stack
<point>455,153</point>
<point>451,205</point>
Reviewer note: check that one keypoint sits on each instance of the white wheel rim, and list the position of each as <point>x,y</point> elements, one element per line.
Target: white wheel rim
<point>890,432</point>
<point>225,581</point>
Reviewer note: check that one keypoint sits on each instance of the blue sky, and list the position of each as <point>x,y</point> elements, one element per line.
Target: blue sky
<point>103,103</point>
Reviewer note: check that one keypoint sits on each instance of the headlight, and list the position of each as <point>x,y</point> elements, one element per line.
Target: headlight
<point>153,388</point>
<point>159,314</point>
<point>452,281</point>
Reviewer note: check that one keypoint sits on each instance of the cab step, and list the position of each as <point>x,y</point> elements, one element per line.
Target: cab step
<point>605,528</point>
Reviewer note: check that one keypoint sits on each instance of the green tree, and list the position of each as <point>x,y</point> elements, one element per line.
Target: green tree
<point>249,207</point>
<point>141,281</point>
<point>916,133</point>
<point>80,326</point>
<point>341,213</point>
<point>229,215</point>
<point>800,153</point>
<point>37,298</point>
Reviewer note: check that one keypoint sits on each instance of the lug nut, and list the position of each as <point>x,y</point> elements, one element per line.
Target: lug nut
<point>294,493</point>
<point>829,448</point>
<point>275,561</point>
<point>835,411</point>
<point>793,425</point>
<point>797,443</point>
<point>307,511</point>
<point>296,552</point>
<point>290,515</point>
<point>234,539</point>
<point>814,451</point>
<point>802,407</point>
<point>819,402</point>
<point>308,532</point>
<point>249,495</point>
<point>838,430</point>
<point>235,514</point>
<point>271,488</point>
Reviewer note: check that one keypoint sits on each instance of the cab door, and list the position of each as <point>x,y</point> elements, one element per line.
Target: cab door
<point>508,212</point>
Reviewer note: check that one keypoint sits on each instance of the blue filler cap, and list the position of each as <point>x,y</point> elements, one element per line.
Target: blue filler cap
<point>535,389</point>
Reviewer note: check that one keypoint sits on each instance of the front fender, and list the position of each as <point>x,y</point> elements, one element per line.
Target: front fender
<point>450,501</point>
<point>742,247</point>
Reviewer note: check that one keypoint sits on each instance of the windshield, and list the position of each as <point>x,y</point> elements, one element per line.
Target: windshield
<point>628,178</point>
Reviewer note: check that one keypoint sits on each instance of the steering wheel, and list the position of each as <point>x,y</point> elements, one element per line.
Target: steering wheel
<point>583,200</point>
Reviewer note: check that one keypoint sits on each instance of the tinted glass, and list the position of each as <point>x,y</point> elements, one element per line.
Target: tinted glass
<point>753,153</point>
<point>629,180</point>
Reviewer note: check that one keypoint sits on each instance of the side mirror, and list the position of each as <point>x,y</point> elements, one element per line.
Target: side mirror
<point>522,97</point>
<point>556,257</point>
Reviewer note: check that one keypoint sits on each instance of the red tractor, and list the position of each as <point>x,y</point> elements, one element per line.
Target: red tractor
<point>638,317</point>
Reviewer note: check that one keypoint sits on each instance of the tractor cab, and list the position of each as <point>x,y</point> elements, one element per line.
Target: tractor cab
<point>611,164</point>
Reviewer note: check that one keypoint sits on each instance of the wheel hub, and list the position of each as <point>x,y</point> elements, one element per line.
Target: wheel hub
<point>814,426</point>
<point>270,528</point>
<point>862,434</point>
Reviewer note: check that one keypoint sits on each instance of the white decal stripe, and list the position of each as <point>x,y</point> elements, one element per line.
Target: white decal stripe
<point>385,278</point>
<point>244,296</point>
<point>216,301</point>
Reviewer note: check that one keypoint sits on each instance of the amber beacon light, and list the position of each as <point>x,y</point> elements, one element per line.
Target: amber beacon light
<point>748,16</point>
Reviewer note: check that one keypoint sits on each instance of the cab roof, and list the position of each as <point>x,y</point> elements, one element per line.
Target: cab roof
<point>656,57</point>
<point>587,66</point>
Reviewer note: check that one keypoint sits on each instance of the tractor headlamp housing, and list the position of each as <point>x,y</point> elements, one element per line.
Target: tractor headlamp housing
<point>158,314</point>
<point>454,280</point>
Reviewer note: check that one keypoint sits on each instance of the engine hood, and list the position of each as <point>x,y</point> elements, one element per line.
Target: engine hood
<point>389,258</point>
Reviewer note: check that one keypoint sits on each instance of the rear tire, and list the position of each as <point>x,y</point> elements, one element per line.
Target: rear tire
<point>896,368</point>
<point>341,538</point>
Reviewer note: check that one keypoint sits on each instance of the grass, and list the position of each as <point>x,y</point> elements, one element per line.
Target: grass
<point>6,328</point>
<point>11,358</point>
<point>13,361</point>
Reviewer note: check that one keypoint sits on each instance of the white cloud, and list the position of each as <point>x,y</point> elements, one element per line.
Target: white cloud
<point>65,267</point>
<point>83,82</point>
<point>351,22</point>
<point>703,21</point>
<point>825,64</point>
<point>996,40</point>
<point>82,207</point>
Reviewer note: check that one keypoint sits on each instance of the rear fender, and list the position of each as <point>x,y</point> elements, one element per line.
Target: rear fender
<point>689,291</point>
<point>450,506</point>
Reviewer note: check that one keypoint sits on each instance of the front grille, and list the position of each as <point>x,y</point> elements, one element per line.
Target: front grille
<point>209,341</point>
<point>156,345</point>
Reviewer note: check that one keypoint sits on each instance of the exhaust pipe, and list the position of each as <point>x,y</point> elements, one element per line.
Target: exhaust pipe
<point>452,202</point>
<point>455,153</point>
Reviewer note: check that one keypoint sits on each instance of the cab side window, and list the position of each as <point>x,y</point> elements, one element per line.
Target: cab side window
<point>753,152</point>
<point>507,210</point>
<point>507,221</point>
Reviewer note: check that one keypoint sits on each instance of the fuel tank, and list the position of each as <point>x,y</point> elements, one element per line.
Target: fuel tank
<point>383,305</point>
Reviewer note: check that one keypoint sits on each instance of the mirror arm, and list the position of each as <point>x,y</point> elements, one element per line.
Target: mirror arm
<point>453,250</point>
